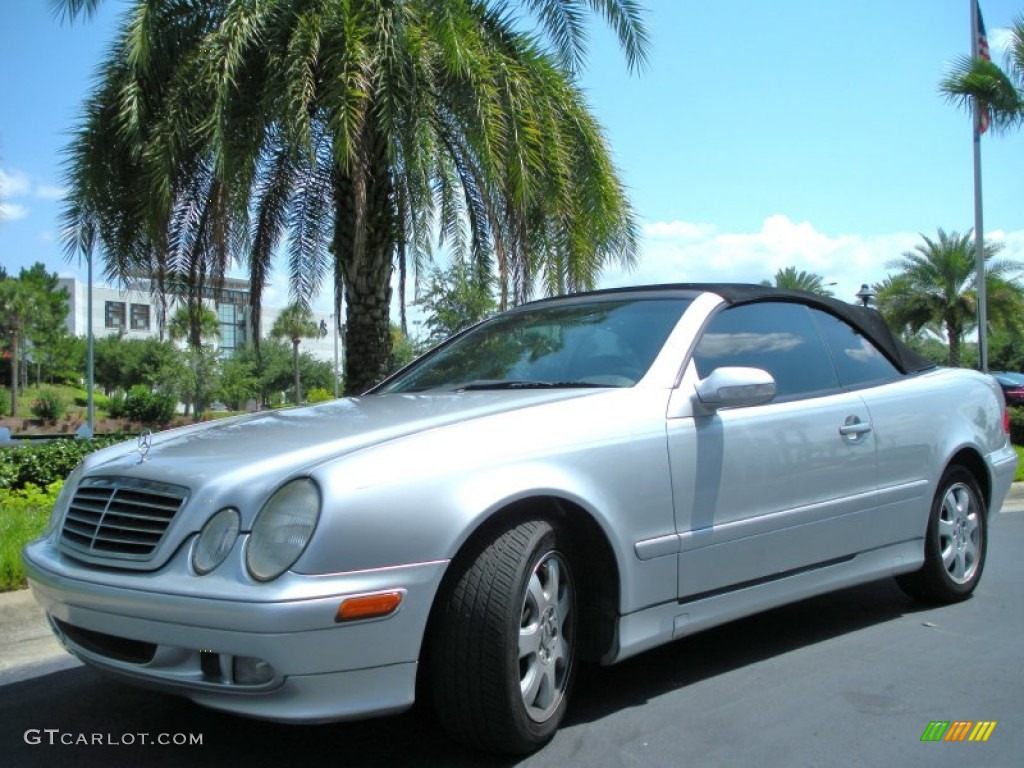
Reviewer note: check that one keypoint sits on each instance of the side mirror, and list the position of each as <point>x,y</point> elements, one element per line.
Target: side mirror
<point>734,387</point>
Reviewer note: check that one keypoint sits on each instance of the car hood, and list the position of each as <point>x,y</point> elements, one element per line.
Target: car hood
<point>264,447</point>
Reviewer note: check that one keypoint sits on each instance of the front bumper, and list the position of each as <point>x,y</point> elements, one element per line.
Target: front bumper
<point>272,651</point>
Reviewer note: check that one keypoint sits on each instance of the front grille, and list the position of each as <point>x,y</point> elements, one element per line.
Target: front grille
<point>120,518</point>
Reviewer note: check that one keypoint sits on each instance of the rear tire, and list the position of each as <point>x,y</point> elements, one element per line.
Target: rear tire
<point>503,645</point>
<point>956,542</point>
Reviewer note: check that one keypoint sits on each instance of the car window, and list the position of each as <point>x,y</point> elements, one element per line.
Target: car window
<point>857,360</point>
<point>600,343</point>
<point>778,337</point>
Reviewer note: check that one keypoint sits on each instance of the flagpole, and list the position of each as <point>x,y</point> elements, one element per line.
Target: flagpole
<point>979,233</point>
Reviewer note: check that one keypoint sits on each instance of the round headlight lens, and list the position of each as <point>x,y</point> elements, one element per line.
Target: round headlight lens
<point>215,540</point>
<point>282,529</point>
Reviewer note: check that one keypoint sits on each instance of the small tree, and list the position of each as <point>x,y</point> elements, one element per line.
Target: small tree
<point>455,299</point>
<point>195,323</point>
<point>238,382</point>
<point>295,323</point>
<point>18,307</point>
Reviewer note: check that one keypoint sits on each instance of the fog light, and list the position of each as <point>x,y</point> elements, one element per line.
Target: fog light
<point>250,671</point>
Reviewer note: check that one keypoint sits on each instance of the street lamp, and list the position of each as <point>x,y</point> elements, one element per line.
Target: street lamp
<point>865,294</point>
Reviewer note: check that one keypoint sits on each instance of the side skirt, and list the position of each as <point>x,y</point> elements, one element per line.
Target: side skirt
<point>659,624</point>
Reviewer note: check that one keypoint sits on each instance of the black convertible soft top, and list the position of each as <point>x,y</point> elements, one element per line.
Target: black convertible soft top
<point>866,320</point>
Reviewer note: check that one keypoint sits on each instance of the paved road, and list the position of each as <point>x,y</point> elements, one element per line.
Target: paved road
<point>848,679</point>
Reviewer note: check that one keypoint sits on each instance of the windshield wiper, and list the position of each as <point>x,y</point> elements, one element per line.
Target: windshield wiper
<point>481,384</point>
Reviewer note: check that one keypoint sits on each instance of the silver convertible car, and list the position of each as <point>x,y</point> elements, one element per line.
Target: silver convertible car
<point>578,479</point>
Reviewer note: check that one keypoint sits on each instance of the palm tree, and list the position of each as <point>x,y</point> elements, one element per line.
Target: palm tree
<point>793,279</point>
<point>935,287</point>
<point>193,323</point>
<point>360,129</point>
<point>295,323</point>
<point>999,92</point>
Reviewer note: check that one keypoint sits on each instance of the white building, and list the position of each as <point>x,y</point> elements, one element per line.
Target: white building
<point>134,312</point>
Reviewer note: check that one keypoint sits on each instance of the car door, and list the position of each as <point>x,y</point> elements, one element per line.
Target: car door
<point>768,490</point>
<point>903,426</point>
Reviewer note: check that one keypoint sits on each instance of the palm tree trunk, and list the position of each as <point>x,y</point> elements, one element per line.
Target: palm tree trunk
<point>364,239</point>
<point>953,332</point>
<point>295,362</point>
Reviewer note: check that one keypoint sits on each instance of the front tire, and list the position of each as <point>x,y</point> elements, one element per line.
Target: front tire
<point>956,542</point>
<point>503,646</point>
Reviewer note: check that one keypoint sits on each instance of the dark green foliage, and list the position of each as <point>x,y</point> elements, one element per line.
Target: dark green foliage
<point>123,363</point>
<point>48,406</point>
<point>116,403</point>
<point>148,407</point>
<point>1017,425</point>
<point>272,366</point>
<point>238,383</point>
<point>43,463</point>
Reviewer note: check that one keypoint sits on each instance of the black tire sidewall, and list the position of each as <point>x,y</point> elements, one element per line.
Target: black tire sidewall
<point>936,571</point>
<point>545,541</point>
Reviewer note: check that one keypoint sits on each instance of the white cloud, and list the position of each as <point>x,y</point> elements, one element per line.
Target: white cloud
<point>46,236</point>
<point>999,40</point>
<point>678,252</point>
<point>12,211</point>
<point>13,184</point>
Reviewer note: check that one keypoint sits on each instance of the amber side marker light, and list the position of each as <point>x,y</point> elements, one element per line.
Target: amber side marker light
<point>368,606</point>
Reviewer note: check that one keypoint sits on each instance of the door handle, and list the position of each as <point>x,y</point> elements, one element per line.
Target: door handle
<point>855,427</point>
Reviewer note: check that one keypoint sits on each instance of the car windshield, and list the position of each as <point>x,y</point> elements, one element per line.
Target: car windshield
<point>603,343</point>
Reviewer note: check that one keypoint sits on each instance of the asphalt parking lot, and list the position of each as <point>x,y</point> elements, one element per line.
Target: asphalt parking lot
<point>848,679</point>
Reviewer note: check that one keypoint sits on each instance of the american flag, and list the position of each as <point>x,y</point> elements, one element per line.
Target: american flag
<point>983,118</point>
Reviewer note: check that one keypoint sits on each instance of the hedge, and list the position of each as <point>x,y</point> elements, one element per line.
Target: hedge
<point>41,464</point>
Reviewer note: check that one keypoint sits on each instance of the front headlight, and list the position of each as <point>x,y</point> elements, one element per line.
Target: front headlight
<point>60,506</point>
<point>282,529</point>
<point>215,540</point>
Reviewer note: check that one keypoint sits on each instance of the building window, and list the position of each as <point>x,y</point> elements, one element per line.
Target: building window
<point>231,320</point>
<point>114,314</point>
<point>140,317</point>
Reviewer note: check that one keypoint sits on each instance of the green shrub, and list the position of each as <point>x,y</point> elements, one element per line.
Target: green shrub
<point>149,407</point>
<point>318,395</point>
<point>98,401</point>
<point>1017,425</point>
<point>48,406</point>
<point>23,517</point>
<point>116,404</point>
<point>41,464</point>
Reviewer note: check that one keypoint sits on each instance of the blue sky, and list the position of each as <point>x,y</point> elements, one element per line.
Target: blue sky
<point>761,134</point>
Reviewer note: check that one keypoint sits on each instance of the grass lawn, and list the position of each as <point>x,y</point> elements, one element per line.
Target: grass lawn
<point>66,393</point>
<point>1019,476</point>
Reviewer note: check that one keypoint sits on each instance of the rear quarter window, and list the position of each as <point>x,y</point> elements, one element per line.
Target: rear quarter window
<point>858,361</point>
